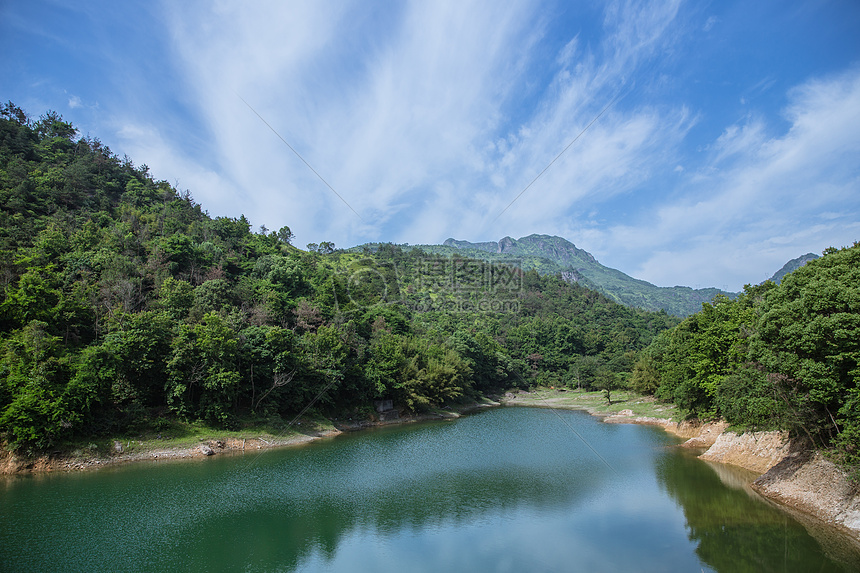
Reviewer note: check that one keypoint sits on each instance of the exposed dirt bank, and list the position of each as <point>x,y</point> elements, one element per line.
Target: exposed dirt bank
<point>799,479</point>
<point>755,451</point>
<point>794,477</point>
<point>788,474</point>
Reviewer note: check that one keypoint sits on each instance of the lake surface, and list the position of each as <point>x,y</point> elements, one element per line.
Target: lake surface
<point>509,489</point>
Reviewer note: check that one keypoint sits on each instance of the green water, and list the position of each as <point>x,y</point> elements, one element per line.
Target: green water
<point>511,489</point>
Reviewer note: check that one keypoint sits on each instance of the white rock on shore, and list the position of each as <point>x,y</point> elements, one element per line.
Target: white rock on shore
<point>756,451</point>
<point>809,482</point>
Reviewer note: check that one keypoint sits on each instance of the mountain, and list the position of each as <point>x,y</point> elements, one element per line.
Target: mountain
<point>557,256</point>
<point>792,266</point>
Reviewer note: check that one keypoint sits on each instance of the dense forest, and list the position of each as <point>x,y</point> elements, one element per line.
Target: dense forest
<point>781,356</point>
<point>125,304</point>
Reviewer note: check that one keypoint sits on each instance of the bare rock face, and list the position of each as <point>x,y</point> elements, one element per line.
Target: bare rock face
<point>571,276</point>
<point>809,482</point>
<point>698,435</point>
<point>756,451</point>
<point>505,244</point>
<point>793,476</point>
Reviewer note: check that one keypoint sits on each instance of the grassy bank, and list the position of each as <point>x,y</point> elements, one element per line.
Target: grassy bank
<point>595,402</point>
<point>168,433</point>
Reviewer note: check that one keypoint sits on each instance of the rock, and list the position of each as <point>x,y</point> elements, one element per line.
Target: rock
<point>756,451</point>
<point>206,450</point>
<point>625,413</point>
<point>809,482</point>
<point>117,446</point>
<point>696,442</point>
<point>708,432</point>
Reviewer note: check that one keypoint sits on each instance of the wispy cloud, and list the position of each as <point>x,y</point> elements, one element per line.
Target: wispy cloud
<point>430,117</point>
<point>710,23</point>
<point>754,200</point>
<point>381,111</point>
<point>410,120</point>
<point>615,153</point>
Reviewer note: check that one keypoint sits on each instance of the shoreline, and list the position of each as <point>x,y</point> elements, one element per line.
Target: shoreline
<point>802,482</point>
<point>135,451</point>
<point>11,465</point>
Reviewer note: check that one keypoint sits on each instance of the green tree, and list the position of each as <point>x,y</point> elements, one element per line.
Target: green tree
<point>36,412</point>
<point>808,337</point>
<point>285,235</point>
<point>608,381</point>
<point>645,379</point>
<point>270,366</point>
<point>203,371</point>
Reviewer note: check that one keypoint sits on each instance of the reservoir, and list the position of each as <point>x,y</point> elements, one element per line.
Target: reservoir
<point>507,489</point>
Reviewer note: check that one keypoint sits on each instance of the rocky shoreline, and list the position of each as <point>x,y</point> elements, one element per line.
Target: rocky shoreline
<point>12,464</point>
<point>789,474</point>
<point>804,481</point>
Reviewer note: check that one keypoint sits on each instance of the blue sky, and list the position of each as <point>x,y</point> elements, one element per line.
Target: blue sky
<point>726,140</point>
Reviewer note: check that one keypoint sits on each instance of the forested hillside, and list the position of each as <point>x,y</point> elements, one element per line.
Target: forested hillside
<point>781,356</point>
<point>126,304</point>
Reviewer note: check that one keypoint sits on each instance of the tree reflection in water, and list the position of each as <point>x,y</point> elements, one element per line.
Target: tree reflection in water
<point>736,535</point>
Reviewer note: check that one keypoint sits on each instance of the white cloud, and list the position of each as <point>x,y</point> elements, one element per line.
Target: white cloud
<point>381,113</point>
<point>609,159</point>
<point>764,204</point>
<point>146,145</point>
<point>738,140</point>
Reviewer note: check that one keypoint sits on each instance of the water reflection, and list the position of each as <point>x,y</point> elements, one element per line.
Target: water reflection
<point>287,510</point>
<point>510,489</point>
<point>734,529</point>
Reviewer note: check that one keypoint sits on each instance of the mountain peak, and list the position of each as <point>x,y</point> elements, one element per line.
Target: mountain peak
<point>506,244</point>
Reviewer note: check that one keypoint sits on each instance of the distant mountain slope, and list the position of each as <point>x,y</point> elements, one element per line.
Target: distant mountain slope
<point>556,255</point>
<point>792,266</point>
